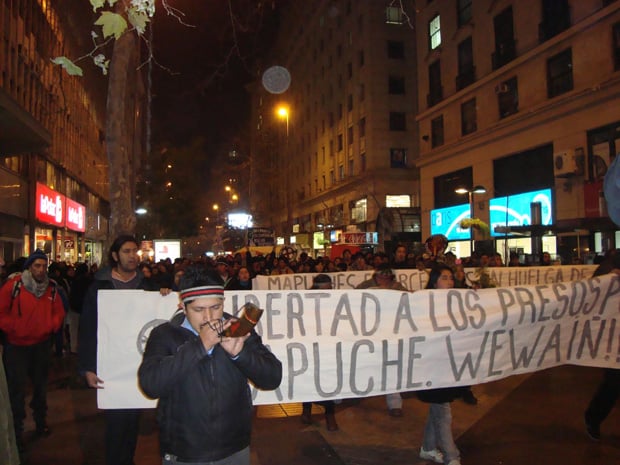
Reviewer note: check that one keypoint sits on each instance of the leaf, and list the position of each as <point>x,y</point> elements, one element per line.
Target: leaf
<point>71,68</point>
<point>138,19</point>
<point>112,24</point>
<point>96,4</point>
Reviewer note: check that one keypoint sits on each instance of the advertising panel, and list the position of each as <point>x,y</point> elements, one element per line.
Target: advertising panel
<point>76,216</point>
<point>167,248</point>
<point>446,221</point>
<point>516,210</point>
<point>261,237</point>
<point>50,206</point>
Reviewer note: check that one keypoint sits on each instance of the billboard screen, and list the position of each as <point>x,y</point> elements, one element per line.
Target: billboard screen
<point>515,210</point>
<point>446,221</point>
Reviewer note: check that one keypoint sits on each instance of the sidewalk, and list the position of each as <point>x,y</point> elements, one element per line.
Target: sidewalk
<point>522,420</point>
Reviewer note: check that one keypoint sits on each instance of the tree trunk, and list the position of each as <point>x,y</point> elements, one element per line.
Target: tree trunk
<point>119,135</point>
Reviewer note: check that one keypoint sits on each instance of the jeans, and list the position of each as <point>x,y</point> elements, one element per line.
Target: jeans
<point>605,397</point>
<point>121,435</point>
<point>21,363</point>
<point>238,458</point>
<point>438,431</point>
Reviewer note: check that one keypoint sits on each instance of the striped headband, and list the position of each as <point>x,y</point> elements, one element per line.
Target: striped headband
<point>202,291</point>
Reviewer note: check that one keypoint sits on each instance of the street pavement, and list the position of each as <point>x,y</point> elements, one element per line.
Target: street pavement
<point>520,420</point>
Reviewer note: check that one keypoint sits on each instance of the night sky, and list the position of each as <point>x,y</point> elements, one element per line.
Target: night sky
<point>198,87</point>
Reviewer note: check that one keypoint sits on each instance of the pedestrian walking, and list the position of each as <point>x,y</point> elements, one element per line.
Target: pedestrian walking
<point>31,311</point>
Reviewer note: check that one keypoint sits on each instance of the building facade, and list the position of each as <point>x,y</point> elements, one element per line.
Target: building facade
<point>53,162</point>
<point>340,157</point>
<point>519,98</point>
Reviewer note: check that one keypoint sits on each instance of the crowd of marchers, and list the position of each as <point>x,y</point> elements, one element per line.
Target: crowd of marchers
<point>51,308</point>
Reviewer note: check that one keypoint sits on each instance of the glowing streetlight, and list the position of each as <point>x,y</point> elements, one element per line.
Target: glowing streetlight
<point>283,113</point>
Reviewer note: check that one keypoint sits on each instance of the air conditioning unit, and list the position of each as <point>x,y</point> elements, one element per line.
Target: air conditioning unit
<point>566,164</point>
<point>501,88</point>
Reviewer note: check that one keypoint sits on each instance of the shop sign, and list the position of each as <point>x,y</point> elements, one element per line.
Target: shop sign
<point>360,238</point>
<point>76,216</point>
<point>446,221</point>
<point>260,236</point>
<point>50,206</point>
<point>69,244</point>
<point>516,210</point>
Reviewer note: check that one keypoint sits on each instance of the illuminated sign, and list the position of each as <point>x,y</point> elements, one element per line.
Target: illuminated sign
<point>515,210</point>
<point>50,206</point>
<point>446,221</point>
<point>318,239</point>
<point>76,216</point>
<point>167,249</point>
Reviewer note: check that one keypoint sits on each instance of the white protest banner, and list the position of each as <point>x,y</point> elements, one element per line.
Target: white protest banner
<point>356,343</point>
<point>415,280</point>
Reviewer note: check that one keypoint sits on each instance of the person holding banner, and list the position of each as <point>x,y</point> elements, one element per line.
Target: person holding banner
<point>321,281</point>
<point>121,425</point>
<point>383,278</point>
<point>200,377</point>
<point>438,443</point>
<point>608,391</point>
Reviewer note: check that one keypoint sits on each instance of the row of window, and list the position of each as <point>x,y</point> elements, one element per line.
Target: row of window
<point>559,81</point>
<point>556,18</point>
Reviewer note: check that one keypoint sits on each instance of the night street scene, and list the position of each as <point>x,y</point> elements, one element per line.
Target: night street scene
<point>310,232</point>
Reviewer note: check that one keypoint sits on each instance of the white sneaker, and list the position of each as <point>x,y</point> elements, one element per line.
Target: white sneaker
<point>454,462</point>
<point>435,455</point>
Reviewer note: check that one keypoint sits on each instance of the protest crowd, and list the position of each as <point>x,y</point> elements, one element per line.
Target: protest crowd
<point>27,355</point>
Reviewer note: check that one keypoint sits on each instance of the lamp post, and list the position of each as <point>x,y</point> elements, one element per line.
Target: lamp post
<point>470,193</point>
<point>283,113</point>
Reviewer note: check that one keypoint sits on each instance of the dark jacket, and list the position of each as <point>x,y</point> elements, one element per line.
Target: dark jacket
<point>205,405</point>
<point>87,335</point>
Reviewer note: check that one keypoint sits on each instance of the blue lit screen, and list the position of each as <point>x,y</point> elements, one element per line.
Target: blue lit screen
<point>515,210</point>
<point>446,221</point>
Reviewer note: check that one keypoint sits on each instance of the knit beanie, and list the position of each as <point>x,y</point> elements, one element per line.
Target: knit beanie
<point>37,254</point>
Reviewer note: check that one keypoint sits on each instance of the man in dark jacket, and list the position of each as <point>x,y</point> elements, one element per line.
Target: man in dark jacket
<point>201,377</point>
<point>121,432</point>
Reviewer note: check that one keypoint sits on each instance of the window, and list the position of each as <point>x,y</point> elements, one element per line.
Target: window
<point>466,74</point>
<point>396,49</point>
<point>435,91</point>
<point>330,119</point>
<point>505,50</point>
<point>437,131</point>
<point>616,45</point>
<point>398,158</point>
<point>468,117</point>
<point>396,85</point>
<point>350,102</point>
<point>556,18</point>
<point>339,111</point>
<point>560,73</point>
<point>340,143</point>
<point>349,70</point>
<point>361,57</point>
<point>463,11</point>
<point>362,127</point>
<point>349,135</point>
<point>398,121</point>
<point>351,167</point>
<point>434,33</point>
<point>363,161</point>
<point>362,90</point>
<point>341,172</point>
<point>507,97</point>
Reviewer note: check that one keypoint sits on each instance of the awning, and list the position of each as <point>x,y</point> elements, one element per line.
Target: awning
<point>19,131</point>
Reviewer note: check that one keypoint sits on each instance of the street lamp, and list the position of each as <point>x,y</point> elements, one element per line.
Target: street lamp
<point>470,193</point>
<point>282,112</point>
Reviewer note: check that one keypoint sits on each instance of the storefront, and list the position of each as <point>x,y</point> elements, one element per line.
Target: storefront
<point>61,223</point>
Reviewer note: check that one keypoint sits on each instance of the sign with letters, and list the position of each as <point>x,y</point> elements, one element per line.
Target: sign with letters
<point>337,344</point>
<point>446,221</point>
<point>50,206</point>
<point>76,216</point>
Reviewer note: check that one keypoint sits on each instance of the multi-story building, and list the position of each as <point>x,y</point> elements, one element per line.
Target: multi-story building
<point>341,157</point>
<point>520,98</point>
<point>53,165</point>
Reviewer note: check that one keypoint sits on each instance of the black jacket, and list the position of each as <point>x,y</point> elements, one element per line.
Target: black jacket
<point>87,334</point>
<point>205,407</point>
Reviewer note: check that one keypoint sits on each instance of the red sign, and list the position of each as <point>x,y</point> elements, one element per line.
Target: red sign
<point>76,216</point>
<point>50,206</point>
